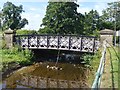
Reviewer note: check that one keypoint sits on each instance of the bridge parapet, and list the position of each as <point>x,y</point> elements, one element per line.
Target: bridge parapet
<point>59,42</point>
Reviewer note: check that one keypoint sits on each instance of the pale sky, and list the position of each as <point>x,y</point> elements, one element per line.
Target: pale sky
<point>36,9</point>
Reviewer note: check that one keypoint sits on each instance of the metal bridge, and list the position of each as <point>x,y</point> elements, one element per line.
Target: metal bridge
<point>58,42</point>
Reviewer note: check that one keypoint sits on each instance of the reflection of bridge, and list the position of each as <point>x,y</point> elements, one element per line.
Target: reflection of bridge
<point>58,42</point>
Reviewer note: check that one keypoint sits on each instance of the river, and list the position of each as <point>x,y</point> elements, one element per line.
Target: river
<point>51,70</point>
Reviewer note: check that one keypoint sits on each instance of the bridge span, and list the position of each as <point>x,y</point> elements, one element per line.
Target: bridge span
<point>58,42</point>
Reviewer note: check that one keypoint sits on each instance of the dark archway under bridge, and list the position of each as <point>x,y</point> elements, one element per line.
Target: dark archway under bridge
<point>51,55</point>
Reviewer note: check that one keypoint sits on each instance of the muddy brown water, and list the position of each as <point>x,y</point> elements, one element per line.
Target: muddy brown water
<point>64,71</point>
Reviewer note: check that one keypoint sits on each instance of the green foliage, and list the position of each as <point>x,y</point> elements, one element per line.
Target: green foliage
<point>87,59</point>
<point>62,18</point>
<point>0,21</point>
<point>112,14</point>
<point>91,22</point>
<point>12,58</point>
<point>107,24</point>
<point>96,33</point>
<point>45,30</point>
<point>23,32</point>
<point>22,57</point>
<point>11,16</point>
<point>113,56</point>
<point>3,43</point>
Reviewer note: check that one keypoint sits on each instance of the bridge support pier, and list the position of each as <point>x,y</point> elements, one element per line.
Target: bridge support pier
<point>106,34</point>
<point>9,36</point>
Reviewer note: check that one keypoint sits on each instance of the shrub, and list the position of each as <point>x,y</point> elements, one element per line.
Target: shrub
<point>28,56</point>
<point>45,31</point>
<point>23,32</point>
<point>21,57</point>
<point>3,45</point>
<point>87,58</point>
<point>15,56</point>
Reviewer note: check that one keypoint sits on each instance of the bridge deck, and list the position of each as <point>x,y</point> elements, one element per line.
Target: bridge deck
<point>59,42</point>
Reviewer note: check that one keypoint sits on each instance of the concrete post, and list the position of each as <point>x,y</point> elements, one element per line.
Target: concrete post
<point>9,35</point>
<point>107,35</point>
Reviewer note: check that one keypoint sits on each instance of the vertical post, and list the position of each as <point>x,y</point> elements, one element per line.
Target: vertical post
<point>28,79</point>
<point>93,45</point>
<point>14,39</point>
<point>28,42</point>
<point>57,80</point>
<point>69,42</point>
<point>47,41</point>
<point>37,42</point>
<point>19,41</point>
<point>57,83</point>
<point>9,36</point>
<point>58,41</point>
<point>81,43</point>
<point>68,83</point>
<point>37,81</point>
<point>47,82</point>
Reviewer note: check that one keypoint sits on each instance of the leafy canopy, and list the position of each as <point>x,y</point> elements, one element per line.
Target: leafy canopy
<point>112,15</point>
<point>11,16</point>
<point>62,18</point>
<point>91,22</point>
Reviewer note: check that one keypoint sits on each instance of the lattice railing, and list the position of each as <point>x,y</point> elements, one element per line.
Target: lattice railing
<point>62,42</point>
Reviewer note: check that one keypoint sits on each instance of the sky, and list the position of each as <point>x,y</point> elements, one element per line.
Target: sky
<point>35,10</point>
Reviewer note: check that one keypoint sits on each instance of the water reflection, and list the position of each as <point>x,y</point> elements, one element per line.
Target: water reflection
<point>70,72</point>
<point>3,85</point>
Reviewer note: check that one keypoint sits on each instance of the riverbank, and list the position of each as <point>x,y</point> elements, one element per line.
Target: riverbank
<point>13,59</point>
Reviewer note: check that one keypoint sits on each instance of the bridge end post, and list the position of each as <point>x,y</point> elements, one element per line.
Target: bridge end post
<point>9,38</point>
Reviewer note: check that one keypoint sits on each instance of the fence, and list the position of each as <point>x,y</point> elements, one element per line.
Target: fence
<point>97,80</point>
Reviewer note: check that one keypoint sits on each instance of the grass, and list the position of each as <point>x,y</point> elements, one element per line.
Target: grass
<point>10,55</point>
<point>94,66</point>
<point>114,66</point>
<point>15,55</point>
<point>119,68</point>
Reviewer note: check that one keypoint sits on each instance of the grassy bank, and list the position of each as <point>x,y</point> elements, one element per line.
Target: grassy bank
<point>15,55</point>
<point>113,53</point>
<point>94,66</point>
<point>112,69</point>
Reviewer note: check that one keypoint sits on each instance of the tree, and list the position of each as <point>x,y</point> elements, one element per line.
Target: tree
<point>112,15</point>
<point>91,22</point>
<point>12,16</point>
<point>62,18</point>
<point>0,20</point>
